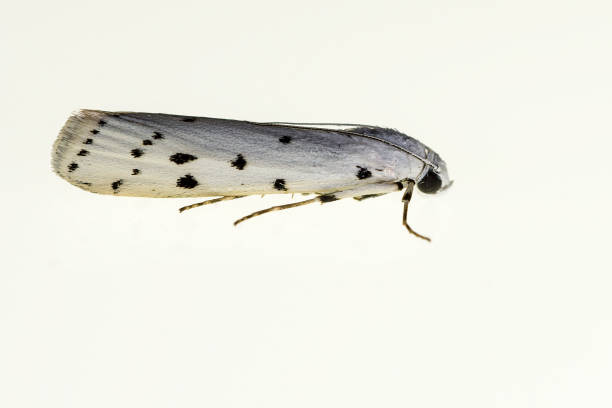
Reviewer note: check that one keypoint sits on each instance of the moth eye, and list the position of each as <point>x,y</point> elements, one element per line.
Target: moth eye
<point>430,183</point>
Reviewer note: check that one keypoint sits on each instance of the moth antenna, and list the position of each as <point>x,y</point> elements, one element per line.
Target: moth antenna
<point>276,208</point>
<point>307,126</point>
<point>317,124</point>
<point>214,200</point>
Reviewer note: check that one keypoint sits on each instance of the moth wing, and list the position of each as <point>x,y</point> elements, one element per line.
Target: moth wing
<point>107,153</point>
<point>159,155</point>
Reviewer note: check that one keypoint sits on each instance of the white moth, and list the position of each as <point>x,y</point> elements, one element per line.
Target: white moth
<point>159,155</point>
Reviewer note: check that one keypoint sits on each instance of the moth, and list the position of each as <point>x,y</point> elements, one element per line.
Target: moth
<point>160,155</point>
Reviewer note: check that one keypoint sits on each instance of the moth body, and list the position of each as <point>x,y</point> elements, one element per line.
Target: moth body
<point>160,155</point>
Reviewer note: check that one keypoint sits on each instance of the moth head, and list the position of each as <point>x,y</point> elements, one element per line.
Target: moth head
<point>434,179</point>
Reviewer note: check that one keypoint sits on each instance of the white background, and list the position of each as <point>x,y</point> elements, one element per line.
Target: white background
<point>122,302</point>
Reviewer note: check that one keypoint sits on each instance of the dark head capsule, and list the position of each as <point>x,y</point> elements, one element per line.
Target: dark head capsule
<point>430,183</point>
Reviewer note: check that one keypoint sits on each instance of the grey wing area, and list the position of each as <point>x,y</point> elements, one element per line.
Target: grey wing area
<point>159,155</point>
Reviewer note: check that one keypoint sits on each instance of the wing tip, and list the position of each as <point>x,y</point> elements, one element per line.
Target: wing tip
<point>73,129</point>
<point>68,143</point>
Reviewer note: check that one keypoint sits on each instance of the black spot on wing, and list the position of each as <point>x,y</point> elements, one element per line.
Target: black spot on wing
<point>157,135</point>
<point>135,172</point>
<point>83,152</point>
<point>95,131</point>
<point>88,141</point>
<point>327,198</point>
<point>136,152</point>
<point>72,167</point>
<point>115,185</point>
<point>187,181</point>
<point>239,162</point>
<point>285,139</point>
<point>363,173</point>
<point>400,185</point>
<point>101,122</point>
<point>180,158</point>
<point>191,119</point>
<point>147,142</point>
<point>279,184</point>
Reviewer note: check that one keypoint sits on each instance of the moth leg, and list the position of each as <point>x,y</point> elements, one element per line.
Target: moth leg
<point>214,200</point>
<point>379,188</point>
<point>367,196</point>
<point>276,208</point>
<point>406,199</point>
<point>364,192</point>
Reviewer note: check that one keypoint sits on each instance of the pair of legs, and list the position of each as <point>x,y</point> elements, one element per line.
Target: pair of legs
<point>360,192</point>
